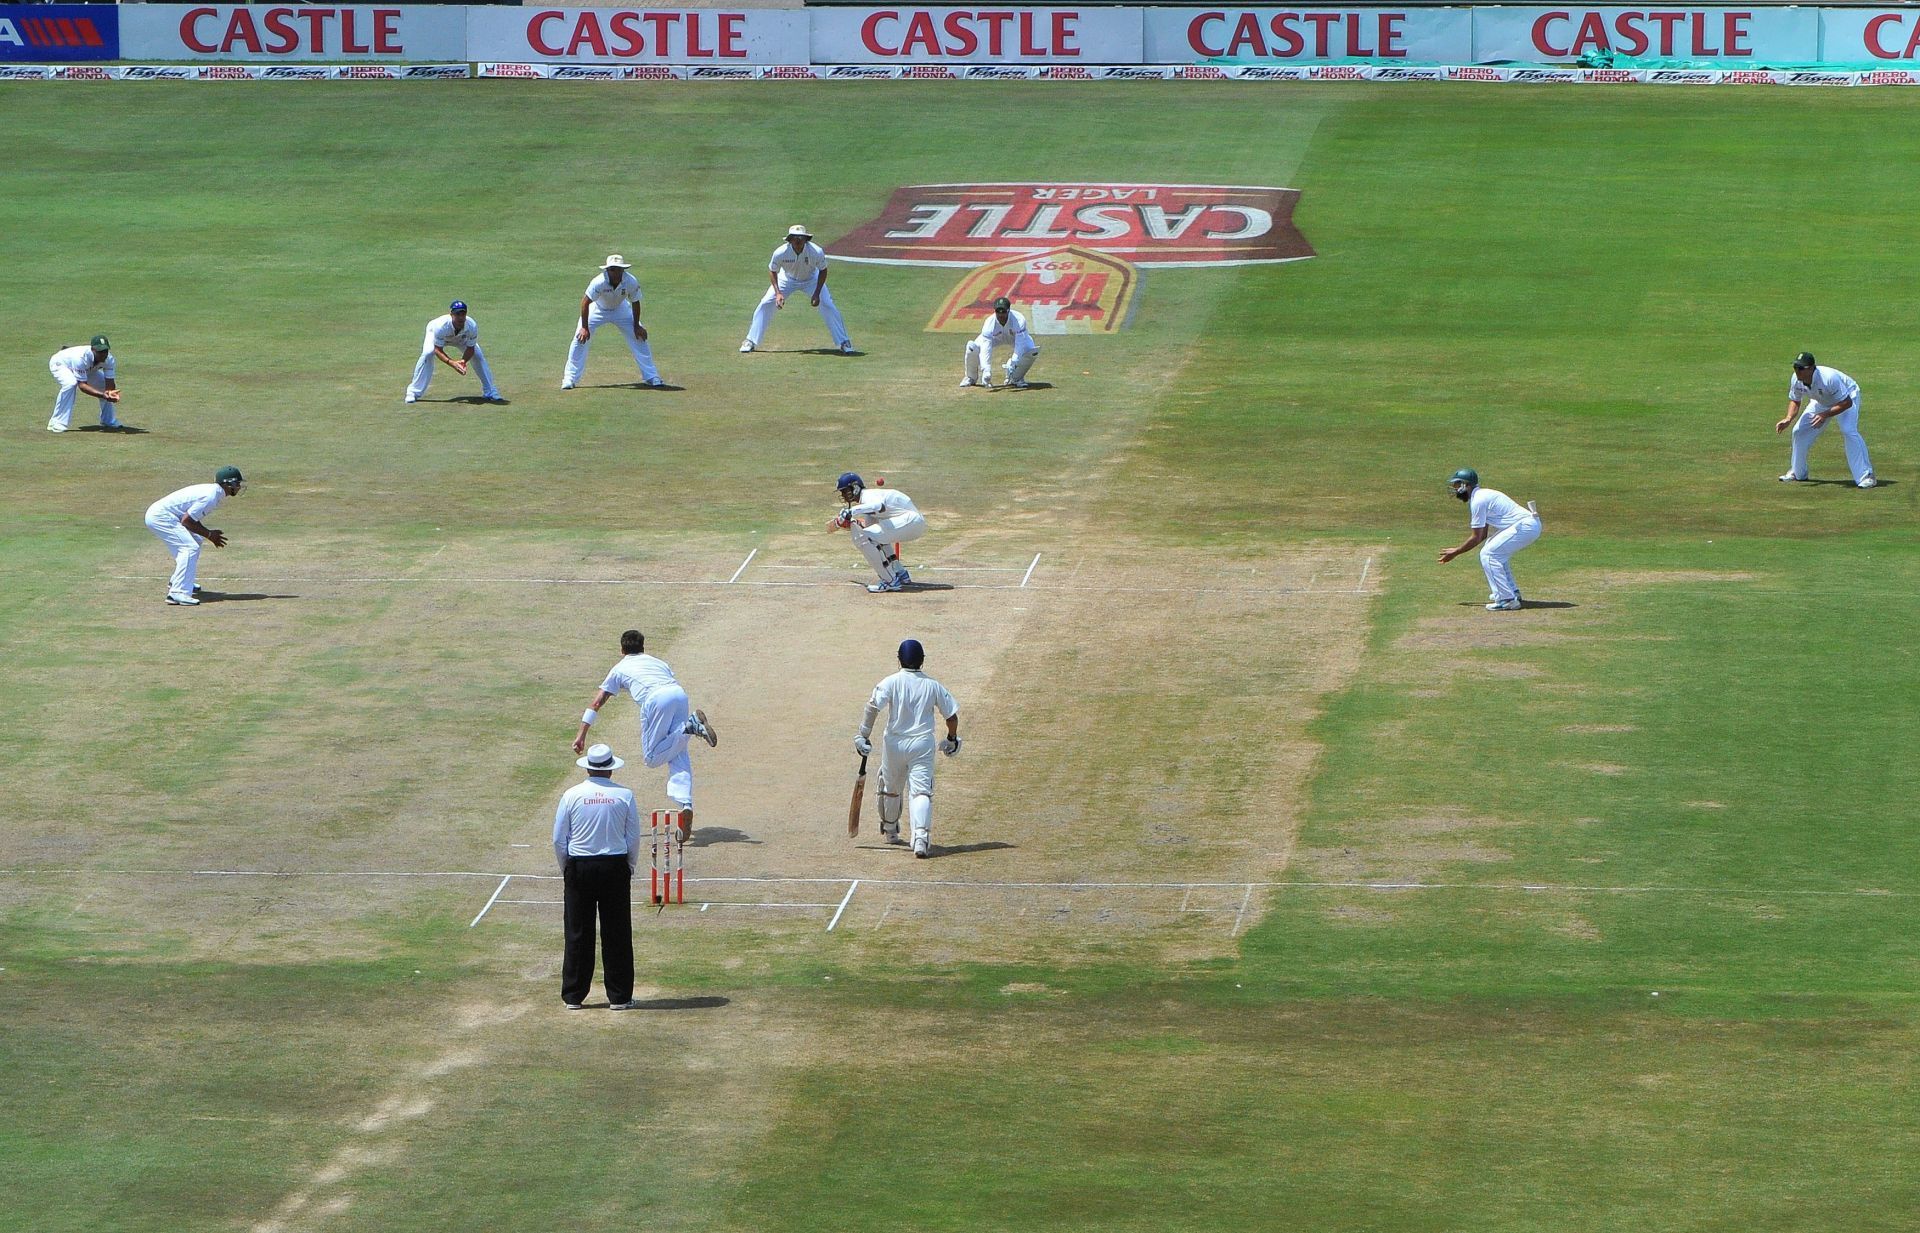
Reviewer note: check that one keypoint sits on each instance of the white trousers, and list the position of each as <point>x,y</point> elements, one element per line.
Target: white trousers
<point>663,740</point>
<point>185,547</point>
<point>1849,422</point>
<point>621,320</point>
<point>1498,550</point>
<point>763,314</point>
<point>979,359</point>
<point>876,542</point>
<point>423,374</point>
<point>906,766</point>
<point>70,390</point>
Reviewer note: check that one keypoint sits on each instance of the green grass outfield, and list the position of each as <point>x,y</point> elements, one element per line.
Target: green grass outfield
<point>1693,780</point>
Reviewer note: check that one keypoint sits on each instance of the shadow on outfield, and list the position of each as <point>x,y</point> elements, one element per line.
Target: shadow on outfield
<point>1526,605</point>
<point>961,849</point>
<point>807,351</point>
<point>474,400</point>
<point>1842,483</point>
<point>706,1003</point>
<point>221,597</point>
<point>1028,388</point>
<point>123,430</point>
<point>668,388</point>
<point>708,836</point>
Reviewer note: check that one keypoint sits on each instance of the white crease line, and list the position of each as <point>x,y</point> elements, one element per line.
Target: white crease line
<point>843,905</point>
<point>743,567</point>
<point>684,582</point>
<point>1030,568</point>
<point>704,904</point>
<point>1364,570</point>
<point>1760,892</point>
<point>1241,915</point>
<point>922,568</point>
<point>496,894</point>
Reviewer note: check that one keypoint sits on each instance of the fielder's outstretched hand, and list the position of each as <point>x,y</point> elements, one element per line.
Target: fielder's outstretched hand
<point>217,538</point>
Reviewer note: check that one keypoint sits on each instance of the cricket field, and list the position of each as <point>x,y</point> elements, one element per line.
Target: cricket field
<point>1281,886</point>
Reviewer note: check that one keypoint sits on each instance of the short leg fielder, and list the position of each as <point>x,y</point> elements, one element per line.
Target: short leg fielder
<point>1805,433</point>
<point>763,313</point>
<point>69,390</point>
<point>621,320</point>
<point>184,546</point>
<point>876,541</point>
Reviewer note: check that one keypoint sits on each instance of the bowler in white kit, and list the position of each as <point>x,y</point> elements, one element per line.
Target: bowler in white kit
<point>612,298</point>
<point>1836,399</point>
<point>911,699</point>
<point>459,332</point>
<point>667,719</point>
<point>877,520</point>
<point>798,266</point>
<point>1003,325</point>
<point>176,519</point>
<point>85,370</point>
<point>1501,527</point>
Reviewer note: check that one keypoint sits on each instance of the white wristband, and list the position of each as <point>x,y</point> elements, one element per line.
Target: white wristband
<point>589,716</point>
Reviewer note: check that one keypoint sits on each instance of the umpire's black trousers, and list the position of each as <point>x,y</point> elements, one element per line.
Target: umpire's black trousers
<point>599,885</point>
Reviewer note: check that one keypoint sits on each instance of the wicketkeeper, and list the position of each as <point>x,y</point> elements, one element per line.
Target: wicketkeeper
<point>910,697</point>
<point>1003,326</point>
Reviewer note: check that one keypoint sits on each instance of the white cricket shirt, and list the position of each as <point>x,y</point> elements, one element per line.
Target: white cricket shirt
<point>440,333</point>
<point>1489,507</point>
<point>608,297</point>
<point>911,699</point>
<point>639,675</point>
<point>596,818</point>
<point>878,502</point>
<point>79,362</point>
<point>1013,330</point>
<point>798,268</point>
<point>1829,386</point>
<point>194,501</point>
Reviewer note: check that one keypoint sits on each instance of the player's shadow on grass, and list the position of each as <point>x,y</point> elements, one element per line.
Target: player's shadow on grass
<point>1846,483</point>
<point>1526,605</point>
<point>123,430</point>
<point>708,836</point>
<point>668,388</point>
<point>808,351</point>
<point>1027,389</point>
<point>962,849</point>
<point>474,400</point>
<point>222,597</point>
<point>702,1003</point>
<point>927,586</point>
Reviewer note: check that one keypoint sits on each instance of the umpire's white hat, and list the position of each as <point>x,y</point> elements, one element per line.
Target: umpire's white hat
<point>599,759</point>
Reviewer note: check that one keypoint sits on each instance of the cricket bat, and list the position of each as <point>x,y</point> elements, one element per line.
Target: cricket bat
<point>859,793</point>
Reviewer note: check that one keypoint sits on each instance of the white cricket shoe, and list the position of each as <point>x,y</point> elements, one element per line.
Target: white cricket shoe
<point>966,382</point>
<point>566,385</point>
<point>657,384</point>
<point>890,831</point>
<point>698,726</point>
<point>1505,605</point>
<point>921,848</point>
<point>846,348</point>
<point>1016,385</point>
<point>1791,478</point>
<point>876,588</point>
<point>183,601</point>
<point>1868,482</point>
<point>55,428</point>
<point>746,347</point>
<point>411,399</point>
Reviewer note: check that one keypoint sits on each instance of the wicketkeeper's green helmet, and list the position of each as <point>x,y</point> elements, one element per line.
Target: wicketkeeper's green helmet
<point>1465,475</point>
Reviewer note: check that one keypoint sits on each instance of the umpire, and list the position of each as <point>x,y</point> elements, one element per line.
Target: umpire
<point>596,839</point>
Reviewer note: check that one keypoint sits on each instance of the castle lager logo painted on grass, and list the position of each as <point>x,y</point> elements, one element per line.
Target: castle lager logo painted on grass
<point>1099,231</point>
<point>1066,290</point>
<point>1147,224</point>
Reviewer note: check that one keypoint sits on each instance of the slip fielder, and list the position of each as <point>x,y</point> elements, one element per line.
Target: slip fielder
<point>911,698</point>
<point>613,296</point>
<point>1835,396</point>
<point>461,332</point>
<point>797,265</point>
<point>75,369</point>
<point>667,719</point>
<point>175,520</point>
<point>1512,526</point>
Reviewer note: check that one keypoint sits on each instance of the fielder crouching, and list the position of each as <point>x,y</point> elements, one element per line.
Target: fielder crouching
<point>1003,326</point>
<point>910,697</point>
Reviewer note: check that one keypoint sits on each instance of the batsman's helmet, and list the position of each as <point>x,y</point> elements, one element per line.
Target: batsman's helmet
<point>850,480</point>
<point>458,306</point>
<point>1465,475</point>
<point>912,654</point>
<point>1803,360</point>
<point>1002,302</point>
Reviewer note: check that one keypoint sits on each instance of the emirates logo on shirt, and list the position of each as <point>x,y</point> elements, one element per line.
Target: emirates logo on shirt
<point>1146,224</point>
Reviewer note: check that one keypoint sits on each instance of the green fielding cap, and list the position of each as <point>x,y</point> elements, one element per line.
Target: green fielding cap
<point>100,343</point>
<point>226,474</point>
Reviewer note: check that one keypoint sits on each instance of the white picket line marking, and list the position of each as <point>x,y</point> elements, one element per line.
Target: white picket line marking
<point>1031,565</point>
<point>743,567</point>
<point>496,894</point>
<point>843,905</point>
<point>1364,570</point>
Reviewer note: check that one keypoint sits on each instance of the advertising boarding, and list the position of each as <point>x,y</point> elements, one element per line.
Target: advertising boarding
<point>638,36</point>
<point>59,32</point>
<point>292,32</point>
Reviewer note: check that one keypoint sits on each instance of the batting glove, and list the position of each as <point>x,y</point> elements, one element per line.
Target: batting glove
<point>862,746</point>
<point>950,746</point>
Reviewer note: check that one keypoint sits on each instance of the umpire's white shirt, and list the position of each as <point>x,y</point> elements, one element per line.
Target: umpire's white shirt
<point>608,297</point>
<point>911,699</point>
<point>1829,386</point>
<point>597,817</point>
<point>194,501</point>
<point>798,269</point>
<point>440,333</point>
<point>1489,507</point>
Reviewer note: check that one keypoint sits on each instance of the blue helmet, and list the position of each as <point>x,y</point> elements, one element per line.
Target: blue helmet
<point>850,480</point>
<point>912,654</point>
